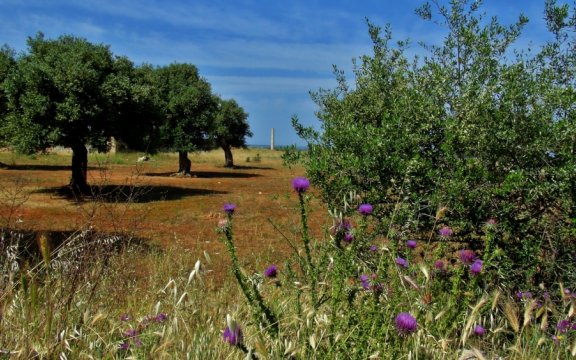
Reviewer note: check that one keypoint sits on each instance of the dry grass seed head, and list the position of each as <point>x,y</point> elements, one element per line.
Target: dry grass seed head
<point>511,312</point>
<point>470,354</point>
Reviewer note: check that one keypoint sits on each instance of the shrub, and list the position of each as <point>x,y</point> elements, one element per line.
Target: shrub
<point>469,132</point>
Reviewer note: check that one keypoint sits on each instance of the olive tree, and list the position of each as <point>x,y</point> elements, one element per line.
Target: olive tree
<point>55,98</point>
<point>188,109</point>
<point>72,93</point>
<point>231,128</point>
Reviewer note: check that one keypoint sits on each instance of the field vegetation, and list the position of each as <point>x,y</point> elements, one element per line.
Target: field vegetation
<point>433,215</point>
<point>146,272</point>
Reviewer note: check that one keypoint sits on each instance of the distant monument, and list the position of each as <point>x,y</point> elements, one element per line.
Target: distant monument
<point>272,139</point>
<point>113,146</point>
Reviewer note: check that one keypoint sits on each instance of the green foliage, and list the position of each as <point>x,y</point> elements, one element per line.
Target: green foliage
<point>232,126</point>
<point>188,107</point>
<point>131,93</point>
<point>56,95</point>
<point>69,92</point>
<point>7,63</point>
<point>468,128</point>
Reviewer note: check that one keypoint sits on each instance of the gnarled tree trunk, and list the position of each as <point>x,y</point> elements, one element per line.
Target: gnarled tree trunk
<point>228,159</point>
<point>184,164</point>
<point>79,182</point>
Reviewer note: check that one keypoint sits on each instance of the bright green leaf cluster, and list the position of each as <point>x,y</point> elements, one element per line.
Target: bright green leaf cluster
<point>474,127</point>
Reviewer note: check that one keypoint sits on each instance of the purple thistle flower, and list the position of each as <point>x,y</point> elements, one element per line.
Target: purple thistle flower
<point>563,325</point>
<point>124,317</point>
<point>229,208</point>
<point>160,317</point>
<point>365,209</point>
<point>411,244</point>
<point>365,280</point>
<point>341,226</point>
<point>124,346</point>
<point>233,337</point>
<point>348,237</point>
<point>401,262</point>
<point>405,323</point>
<point>467,256</point>
<point>373,248</point>
<point>344,225</point>
<point>476,267</point>
<point>271,271</point>
<point>538,304</point>
<point>445,232</point>
<point>370,283</point>
<point>130,333</point>
<point>479,330</point>
<point>439,264</point>
<point>300,184</point>
<point>523,295</point>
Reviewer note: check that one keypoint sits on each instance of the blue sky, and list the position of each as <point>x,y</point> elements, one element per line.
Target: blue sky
<point>268,55</point>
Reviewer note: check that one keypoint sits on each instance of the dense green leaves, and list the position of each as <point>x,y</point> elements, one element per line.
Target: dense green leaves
<point>7,63</point>
<point>56,97</point>
<point>188,109</point>
<point>231,128</point>
<point>72,93</point>
<point>188,106</point>
<point>469,127</point>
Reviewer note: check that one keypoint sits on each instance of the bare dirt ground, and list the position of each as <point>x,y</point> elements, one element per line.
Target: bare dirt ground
<point>166,209</point>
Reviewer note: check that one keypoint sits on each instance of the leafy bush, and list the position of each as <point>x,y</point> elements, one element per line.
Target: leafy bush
<point>469,131</point>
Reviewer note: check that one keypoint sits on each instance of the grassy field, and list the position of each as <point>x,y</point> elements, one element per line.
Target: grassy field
<point>170,286</point>
<point>166,209</point>
<point>174,220</point>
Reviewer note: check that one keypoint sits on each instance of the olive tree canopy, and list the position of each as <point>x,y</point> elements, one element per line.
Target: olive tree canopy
<point>188,110</point>
<point>72,93</point>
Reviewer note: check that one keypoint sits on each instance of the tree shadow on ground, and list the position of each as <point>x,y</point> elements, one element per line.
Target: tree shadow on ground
<point>128,193</point>
<point>208,175</point>
<point>45,167</point>
<point>61,244</point>
<point>246,167</point>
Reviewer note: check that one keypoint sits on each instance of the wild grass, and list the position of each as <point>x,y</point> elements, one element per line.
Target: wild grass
<point>104,294</point>
<point>144,304</point>
<point>62,157</point>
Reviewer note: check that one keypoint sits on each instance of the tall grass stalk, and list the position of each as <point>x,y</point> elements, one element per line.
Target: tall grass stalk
<point>249,289</point>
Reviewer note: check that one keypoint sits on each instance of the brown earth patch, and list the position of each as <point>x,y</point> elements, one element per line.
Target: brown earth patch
<point>145,200</point>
